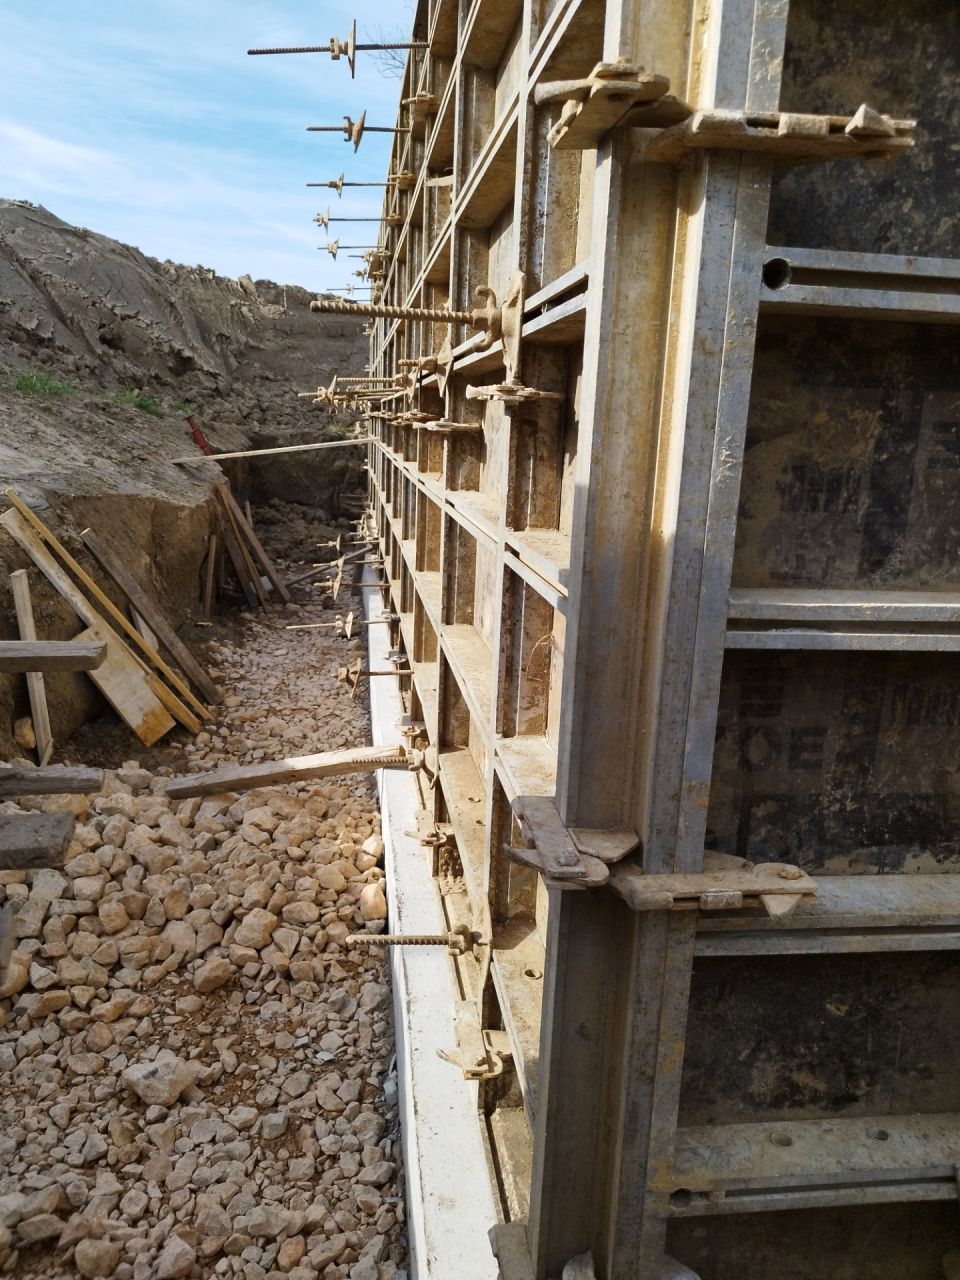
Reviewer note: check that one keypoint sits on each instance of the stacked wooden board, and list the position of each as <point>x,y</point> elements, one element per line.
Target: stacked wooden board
<point>144,689</point>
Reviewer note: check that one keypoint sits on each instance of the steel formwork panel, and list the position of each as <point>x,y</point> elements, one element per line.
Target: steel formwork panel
<point>700,586</point>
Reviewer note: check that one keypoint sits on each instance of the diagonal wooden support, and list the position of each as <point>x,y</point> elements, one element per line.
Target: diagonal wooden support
<point>151,614</point>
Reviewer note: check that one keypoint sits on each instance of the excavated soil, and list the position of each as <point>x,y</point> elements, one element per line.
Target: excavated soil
<point>103,351</point>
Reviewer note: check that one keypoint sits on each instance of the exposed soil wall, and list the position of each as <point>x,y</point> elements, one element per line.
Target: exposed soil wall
<point>103,351</point>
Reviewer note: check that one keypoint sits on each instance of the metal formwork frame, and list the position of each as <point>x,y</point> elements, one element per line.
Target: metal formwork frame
<point>560,559</point>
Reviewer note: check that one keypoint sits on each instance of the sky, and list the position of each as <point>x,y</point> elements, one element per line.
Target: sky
<point>146,121</point>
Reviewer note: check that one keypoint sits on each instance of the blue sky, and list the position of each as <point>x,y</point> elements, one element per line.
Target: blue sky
<point>145,120</point>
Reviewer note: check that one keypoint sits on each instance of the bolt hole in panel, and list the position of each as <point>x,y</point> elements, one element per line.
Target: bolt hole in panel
<point>907,63</point>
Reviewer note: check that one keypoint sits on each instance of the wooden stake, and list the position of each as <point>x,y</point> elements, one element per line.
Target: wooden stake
<point>239,565</point>
<point>210,576</point>
<point>253,573</point>
<point>39,711</point>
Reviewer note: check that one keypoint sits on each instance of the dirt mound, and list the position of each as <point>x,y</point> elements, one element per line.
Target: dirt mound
<point>103,351</point>
<point>86,302</point>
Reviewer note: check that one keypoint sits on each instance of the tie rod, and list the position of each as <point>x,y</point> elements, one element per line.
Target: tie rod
<point>347,48</point>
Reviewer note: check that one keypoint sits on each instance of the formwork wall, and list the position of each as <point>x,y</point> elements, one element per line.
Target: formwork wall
<point>696,584</point>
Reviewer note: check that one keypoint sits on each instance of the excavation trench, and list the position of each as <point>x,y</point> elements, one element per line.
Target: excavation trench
<point>198,1072</point>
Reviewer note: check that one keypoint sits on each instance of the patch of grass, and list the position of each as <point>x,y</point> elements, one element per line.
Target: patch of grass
<point>141,400</point>
<point>339,430</point>
<point>41,384</point>
<point>185,407</point>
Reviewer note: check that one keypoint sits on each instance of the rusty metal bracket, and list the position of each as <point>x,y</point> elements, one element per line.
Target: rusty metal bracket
<point>598,103</point>
<point>420,106</point>
<point>727,883</point>
<point>479,1053</point>
<point>786,137</point>
<point>429,832</point>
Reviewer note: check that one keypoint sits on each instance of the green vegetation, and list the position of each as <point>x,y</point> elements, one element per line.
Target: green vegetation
<point>338,430</point>
<point>141,400</point>
<point>185,407</point>
<point>40,384</point>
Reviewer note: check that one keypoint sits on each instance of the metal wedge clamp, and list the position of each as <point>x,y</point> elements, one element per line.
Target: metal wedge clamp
<point>726,883</point>
<point>480,1053</point>
<point>601,101</point>
<point>567,858</point>
<point>346,48</point>
<point>786,137</point>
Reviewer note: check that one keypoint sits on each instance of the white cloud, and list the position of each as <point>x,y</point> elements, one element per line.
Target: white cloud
<point>148,122</point>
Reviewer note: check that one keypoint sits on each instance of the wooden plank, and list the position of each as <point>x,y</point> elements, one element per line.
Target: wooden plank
<point>275,773</point>
<point>59,780</point>
<point>143,627</point>
<point>50,655</point>
<point>239,564</point>
<point>246,528</point>
<point>210,578</point>
<point>32,540</point>
<point>262,453</point>
<point>126,686</point>
<point>157,721</point>
<point>36,690</point>
<point>152,614</point>
<point>250,569</point>
<point>33,840</point>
